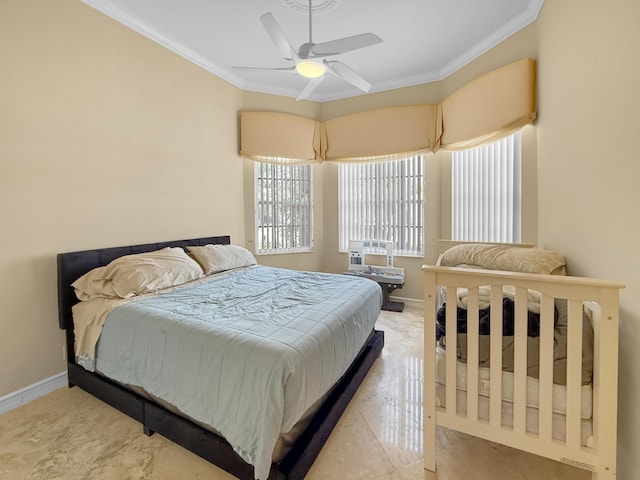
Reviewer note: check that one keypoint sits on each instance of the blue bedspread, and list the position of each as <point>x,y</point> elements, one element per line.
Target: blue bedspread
<point>247,353</point>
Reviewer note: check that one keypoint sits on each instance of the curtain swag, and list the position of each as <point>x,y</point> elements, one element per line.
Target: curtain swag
<point>486,109</point>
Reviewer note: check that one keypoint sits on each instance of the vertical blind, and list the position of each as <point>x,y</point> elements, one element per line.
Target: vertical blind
<point>382,201</point>
<point>283,208</point>
<point>486,192</point>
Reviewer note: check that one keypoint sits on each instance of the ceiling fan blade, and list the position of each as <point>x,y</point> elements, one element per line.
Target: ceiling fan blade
<point>347,74</point>
<point>343,45</point>
<point>309,87</point>
<point>286,69</point>
<point>277,35</point>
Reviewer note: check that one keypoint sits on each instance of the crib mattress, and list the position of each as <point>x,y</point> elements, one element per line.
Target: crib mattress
<point>558,429</point>
<point>559,405</point>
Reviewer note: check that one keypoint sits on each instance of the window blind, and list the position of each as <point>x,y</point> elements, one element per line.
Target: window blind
<point>382,201</point>
<point>486,193</point>
<point>283,197</point>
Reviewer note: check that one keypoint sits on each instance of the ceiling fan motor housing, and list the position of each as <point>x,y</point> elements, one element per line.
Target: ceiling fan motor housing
<point>305,50</point>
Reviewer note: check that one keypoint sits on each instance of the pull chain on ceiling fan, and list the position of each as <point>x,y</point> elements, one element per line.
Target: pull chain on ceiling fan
<point>306,60</point>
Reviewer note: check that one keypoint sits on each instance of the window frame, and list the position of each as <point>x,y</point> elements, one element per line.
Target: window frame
<point>492,177</point>
<point>408,229</point>
<point>289,199</point>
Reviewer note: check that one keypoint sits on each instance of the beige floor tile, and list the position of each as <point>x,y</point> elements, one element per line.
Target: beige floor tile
<point>529,466</point>
<point>70,435</point>
<point>351,453</point>
<point>394,415</point>
<point>174,462</point>
<point>384,370</point>
<point>415,471</point>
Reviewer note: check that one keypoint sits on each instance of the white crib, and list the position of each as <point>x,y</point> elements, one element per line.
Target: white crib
<point>517,421</point>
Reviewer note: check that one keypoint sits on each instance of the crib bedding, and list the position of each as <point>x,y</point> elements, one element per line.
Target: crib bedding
<point>516,259</point>
<point>533,340</point>
<point>191,347</point>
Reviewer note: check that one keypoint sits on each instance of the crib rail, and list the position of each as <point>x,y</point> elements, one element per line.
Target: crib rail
<point>600,297</point>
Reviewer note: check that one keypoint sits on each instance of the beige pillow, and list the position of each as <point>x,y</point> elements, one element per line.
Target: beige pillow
<point>218,258</point>
<point>149,272</point>
<point>93,285</point>
<point>505,257</point>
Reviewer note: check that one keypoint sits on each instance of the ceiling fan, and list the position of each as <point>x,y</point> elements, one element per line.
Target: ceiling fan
<point>310,59</point>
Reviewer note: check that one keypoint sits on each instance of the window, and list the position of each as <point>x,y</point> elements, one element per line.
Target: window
<point>382,201</point>
<point>283,208</point>
<point>486,194</point>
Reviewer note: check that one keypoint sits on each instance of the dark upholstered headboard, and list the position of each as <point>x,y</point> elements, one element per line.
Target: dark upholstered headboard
<point>72,265</point>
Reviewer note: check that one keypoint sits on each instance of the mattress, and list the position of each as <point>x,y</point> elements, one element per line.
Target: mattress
<point>247,354</point>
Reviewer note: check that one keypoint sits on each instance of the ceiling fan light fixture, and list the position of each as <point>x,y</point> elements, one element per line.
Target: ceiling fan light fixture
<point>310,69</point>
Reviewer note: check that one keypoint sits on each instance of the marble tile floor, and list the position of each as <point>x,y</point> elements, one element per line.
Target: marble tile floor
<point>70,435</point>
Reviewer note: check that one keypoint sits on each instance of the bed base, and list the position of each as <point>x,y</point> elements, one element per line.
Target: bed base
<point>215,449</point>
<point>298,461</point>
<point>600,296</point>
<point>180,430</point>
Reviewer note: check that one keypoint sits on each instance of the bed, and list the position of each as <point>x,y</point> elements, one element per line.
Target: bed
<point>523,354</point>
<point>239,363</point>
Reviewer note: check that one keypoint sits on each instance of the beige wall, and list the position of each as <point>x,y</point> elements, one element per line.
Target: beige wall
<point>589,168</point>
<point>105,139</point>
<point>109,139</point>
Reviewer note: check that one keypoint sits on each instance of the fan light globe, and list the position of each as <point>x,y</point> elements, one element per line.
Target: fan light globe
<point>309,69</point>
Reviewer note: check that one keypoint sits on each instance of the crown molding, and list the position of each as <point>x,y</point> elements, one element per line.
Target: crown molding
<point>127,19</point>
<point>121,15</point>
<point>527,17</point>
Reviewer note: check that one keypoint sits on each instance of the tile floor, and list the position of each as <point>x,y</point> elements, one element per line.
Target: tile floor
<point>70,435</point>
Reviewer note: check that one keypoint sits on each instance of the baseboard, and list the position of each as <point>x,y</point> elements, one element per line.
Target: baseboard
<point>409,302</point>
<point>27,394</point>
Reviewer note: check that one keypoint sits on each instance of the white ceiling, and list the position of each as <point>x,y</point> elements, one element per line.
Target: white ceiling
<point>423,40</point>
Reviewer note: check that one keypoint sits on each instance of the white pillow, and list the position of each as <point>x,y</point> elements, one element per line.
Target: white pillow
<point>218,258</point>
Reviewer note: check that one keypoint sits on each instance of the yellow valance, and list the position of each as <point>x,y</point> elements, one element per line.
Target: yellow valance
<point>486,109</point>
<point>274,137</point>
<point>385,132</point>
<point>490,107</point>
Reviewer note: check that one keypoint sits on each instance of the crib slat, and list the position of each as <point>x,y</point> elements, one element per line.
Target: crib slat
<point>495,358</point>
<point>429,384</point>
<point>545,399</point>
<point>605,378</point>
<point>451,351</point>
<point>472,354</point>
<point>574,371</point>
<point>520,362</point>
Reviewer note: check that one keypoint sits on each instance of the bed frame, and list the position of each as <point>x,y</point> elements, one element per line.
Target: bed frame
<point>155,418</point>
<point>599,296</point>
